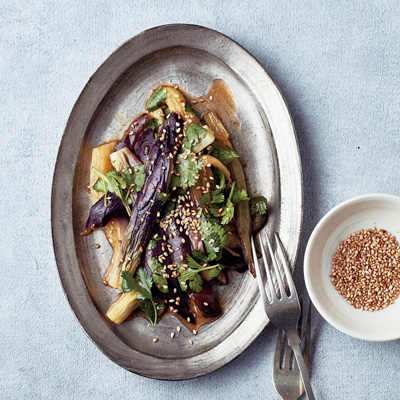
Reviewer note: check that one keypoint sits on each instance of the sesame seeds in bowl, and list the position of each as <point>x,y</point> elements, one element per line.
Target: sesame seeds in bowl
<point>352,267</point>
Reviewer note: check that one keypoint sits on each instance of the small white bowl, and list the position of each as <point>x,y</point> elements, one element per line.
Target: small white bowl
<point>375,210</point>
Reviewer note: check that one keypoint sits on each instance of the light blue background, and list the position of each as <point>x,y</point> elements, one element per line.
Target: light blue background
<point>337,64</point>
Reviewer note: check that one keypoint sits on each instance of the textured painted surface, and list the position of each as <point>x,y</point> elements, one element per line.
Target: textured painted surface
<point>337,64</point>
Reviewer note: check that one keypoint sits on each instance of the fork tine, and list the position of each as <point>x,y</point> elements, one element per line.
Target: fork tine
<point>276,268</point>
<point>259,277</point>
<point>288,272</point>
<point>274,295</point>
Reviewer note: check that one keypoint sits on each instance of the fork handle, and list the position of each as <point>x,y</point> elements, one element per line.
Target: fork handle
<point>294,342</point>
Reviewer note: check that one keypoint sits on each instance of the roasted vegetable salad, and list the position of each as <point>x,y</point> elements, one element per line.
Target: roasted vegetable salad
<point>172,199</point>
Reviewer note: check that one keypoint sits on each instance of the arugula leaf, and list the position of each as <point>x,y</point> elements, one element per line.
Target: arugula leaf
<point>225,156</point>
<point>189,109</point>
<point>187,170</point>
<point>154,123</point>
<point>157,99</point>
<point>259,204</point>
<point>135,177</point>
<point>194,133</point>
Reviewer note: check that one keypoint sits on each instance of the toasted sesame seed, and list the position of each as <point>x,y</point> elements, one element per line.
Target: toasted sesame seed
<point>155,340</point>
<point>172,335</point>
<point>191,342</point>
<point>97,246</point>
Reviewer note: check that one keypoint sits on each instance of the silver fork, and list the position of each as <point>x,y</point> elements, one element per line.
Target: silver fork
<point>287,379</point>
<point>283,311</point>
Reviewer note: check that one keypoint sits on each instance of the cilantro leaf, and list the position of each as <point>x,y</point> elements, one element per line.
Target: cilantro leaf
<point>189,274</point>
<point>199,255</point>
<point>187,169</point>
<point>215,238</point>
<point>128,283</point>
<point>145,281</point>
<point>157,99</point>
<point>135,177</point>
<point>225,156</point>
<point>217,198</point>
<point>259,204</point>
<point>158,278</point>
<point>228,212</point>
<point>238,196</point>
<point>194,133</point>
<point>143,285</point>
<point>149,309</point>
<point>113,182</point>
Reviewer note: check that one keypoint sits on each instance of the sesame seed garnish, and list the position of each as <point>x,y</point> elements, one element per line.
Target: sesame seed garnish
<point>97,246</point>
<point>178,328</point>
<point>194,332</point>
<point>365,269</point>
<point>191,342</point>
<point>211,98</point>
<point>172,335</point>
<point>155,340</point>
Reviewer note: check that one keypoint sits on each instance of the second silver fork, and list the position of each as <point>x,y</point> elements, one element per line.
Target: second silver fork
<point>286,374</point>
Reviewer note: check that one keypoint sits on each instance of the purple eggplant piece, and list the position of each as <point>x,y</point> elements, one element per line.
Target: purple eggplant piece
<point>257,221</point>
<point>174,289</point>
<point>149,199</point>
<point>232,262</point>
<point>205,301</point>
<point>100,215</point>
<point>136,128</point>
<point>143,145</point>
<point>181,307</point>
<point>179,241</point>
<point>158,251</point>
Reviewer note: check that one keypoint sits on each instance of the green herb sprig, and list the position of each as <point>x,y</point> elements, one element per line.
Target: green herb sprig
<point>144,282</point>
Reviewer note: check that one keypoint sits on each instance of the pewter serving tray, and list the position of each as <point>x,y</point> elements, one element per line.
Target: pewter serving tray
<point>191,56</point>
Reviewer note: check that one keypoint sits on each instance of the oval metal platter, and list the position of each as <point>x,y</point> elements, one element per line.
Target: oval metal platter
<point>193,57</point>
